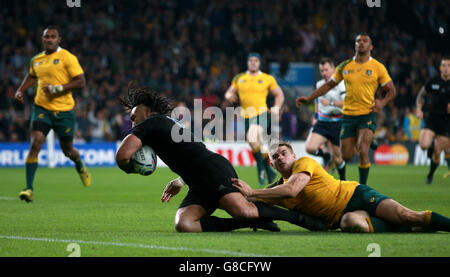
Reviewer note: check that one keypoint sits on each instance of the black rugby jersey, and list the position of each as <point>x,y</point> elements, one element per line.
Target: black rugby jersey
<point>183,157</point>
<point>436,96</point>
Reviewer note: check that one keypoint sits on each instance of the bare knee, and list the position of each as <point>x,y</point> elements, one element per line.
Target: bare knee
<point>185,225</point>
<point>347,156</point>
<point>182,226</point>
<point>243,212</point>
<point>36,143</point>
<point>67,152</point>
<point>311,150</point>
<point>424,146</point>
<point>353,222</point>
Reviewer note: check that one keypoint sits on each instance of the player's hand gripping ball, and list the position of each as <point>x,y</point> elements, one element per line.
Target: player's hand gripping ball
<point>145,160</point>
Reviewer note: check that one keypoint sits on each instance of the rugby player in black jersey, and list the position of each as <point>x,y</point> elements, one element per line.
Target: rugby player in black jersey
<point>433,105</point>
<point>207,174</point>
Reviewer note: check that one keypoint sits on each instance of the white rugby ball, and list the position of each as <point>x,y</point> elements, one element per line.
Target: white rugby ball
<point>145,160</point>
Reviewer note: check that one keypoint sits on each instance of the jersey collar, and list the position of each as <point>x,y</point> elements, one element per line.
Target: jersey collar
<point>370,58</point>
<point>258,73</point>
<point>57,50</point>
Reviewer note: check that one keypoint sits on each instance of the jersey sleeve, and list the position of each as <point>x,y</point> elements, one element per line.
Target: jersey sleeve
<point>272,83</point>
<point>383,75</point>
<point>31,71</point>
<point>304,164</point>
<point>338,76</point>
<point>73,66</point>
<point>143,130</point>
<point>234,82</point>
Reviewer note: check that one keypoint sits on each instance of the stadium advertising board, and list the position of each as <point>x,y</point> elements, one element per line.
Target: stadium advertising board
<point>238,153</point>
<point>103,154</point>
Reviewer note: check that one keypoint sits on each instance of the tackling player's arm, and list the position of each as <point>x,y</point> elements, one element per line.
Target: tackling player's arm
<point>389,91</point>
<point>77,82</point>
<point>27,82</point>
<point>318,92</point>
<point>291,188</point>
<point>125,152</point>
<point>419,103</point>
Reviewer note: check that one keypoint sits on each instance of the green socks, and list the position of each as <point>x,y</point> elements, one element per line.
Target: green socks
<point>377,225</point>
<point>271,173</point>
<point>260,167</point>
<point>31,165</point>
<point>79,165</point>
<point>364,173</point>
<point>437,222</point>
<point>30,169</point>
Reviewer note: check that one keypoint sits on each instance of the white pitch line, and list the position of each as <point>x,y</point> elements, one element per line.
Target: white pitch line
<point>8,198</point>
<point>139,245</point>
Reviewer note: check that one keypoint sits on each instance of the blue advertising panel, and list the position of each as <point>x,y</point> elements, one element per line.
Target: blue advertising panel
<point>298,75</point>
<point>94,154</point>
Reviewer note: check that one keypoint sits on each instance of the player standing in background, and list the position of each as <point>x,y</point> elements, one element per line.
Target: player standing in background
<point>433,105</point>
<point>362,76</point>
<point>253,87</point>
<point>328,125</point>
<point>57,72</point>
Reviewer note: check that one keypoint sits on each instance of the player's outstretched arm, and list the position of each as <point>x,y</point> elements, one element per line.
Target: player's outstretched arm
<point>290,189</point>
<point>126,150</point>
<point>318,92</point>
<point>27,82</point>
<point>172,188</point>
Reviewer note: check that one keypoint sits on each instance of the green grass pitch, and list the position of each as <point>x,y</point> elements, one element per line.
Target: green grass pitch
<point>121,215</point>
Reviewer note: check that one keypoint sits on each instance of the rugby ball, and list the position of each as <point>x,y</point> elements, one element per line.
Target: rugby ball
<point>145,160</point>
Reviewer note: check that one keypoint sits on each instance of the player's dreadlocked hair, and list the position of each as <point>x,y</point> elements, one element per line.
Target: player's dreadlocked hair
<point>147,96</point>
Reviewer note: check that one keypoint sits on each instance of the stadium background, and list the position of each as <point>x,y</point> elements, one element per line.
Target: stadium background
<point>192,49</point>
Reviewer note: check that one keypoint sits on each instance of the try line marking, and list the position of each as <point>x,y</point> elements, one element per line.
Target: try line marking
<point>8,198</point>
<point>139,245</point>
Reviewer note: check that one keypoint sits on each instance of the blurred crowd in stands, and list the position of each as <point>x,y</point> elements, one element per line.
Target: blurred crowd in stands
<point>192,49</point>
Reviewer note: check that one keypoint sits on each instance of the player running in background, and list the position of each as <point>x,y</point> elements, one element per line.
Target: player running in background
<point>362,76</point>
<point>57,72</point>
<point>306,187</point>
<point>207,174</point>
<point>328,125</point>
<point>433,105</point>
<point>253,87</point>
